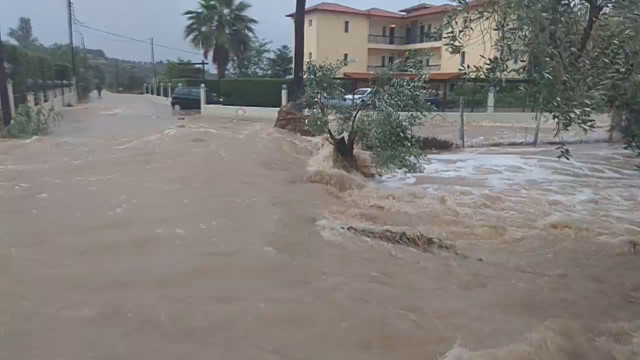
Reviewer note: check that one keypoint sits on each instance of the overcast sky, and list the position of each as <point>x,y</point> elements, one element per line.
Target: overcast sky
<point>161,19</point>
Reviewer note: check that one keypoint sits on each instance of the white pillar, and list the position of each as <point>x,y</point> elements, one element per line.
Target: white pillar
<point>162,89</point>
<point>203,97</point>
<point>40,95</point>
<point>169,90</point>
<point>31,100</point>
<point>285,95</point>
<point>51,97</point>
<point>12,104</point>
<point>491,100</point>
<point>179,84</point>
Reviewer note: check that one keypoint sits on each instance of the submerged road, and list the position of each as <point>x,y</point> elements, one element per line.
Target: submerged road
<point>130,233</point>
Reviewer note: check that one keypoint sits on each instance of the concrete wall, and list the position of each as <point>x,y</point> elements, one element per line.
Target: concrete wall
<point>333,42</point>
<point>237,112</point>
<point>477,45</point>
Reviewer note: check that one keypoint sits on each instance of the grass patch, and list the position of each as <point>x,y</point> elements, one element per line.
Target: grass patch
<point>31,122</point>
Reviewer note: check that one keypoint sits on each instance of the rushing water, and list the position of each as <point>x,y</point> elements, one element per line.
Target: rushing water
<point>132,232</point>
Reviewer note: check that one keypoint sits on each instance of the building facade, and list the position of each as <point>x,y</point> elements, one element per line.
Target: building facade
<point>374,38</point>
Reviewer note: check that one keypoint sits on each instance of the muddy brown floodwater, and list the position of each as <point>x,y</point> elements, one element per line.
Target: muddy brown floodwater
<point>130,234</point>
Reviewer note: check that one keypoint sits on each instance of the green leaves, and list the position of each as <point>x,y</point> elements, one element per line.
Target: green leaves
<point>222,28</point>
<point>31,121</point>
<point>582,56</point>
<point>383,120</point>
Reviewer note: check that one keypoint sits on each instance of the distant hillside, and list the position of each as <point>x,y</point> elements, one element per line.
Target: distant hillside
<point>110,66</point>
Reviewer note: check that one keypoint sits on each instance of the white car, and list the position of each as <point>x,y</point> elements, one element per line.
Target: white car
<point>358,96</point>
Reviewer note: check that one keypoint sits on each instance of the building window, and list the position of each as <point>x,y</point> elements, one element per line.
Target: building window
<point>346,26</point>
<point>346,57</point>
<point>310,56</point>
<point>391,60</point>
<point>384,31</point>
<point>463,58</point>
<point>384,61</point>
<point>310,22</point>
<point>516,60</point>
<point>427,61</point>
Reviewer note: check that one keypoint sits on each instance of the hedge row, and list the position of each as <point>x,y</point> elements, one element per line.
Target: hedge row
<point>25,65</point>
<point>245,92</point>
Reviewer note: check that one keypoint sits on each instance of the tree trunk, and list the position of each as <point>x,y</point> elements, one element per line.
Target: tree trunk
<point>616,118</point>
<point>221,59</point>
<point>298,66</point>
<point>343,156</point>
<point>537,134</point>
<point>461,130</point>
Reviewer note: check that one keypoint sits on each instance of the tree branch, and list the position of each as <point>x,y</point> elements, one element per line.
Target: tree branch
<point>353,120</point>
<point>594,14</point>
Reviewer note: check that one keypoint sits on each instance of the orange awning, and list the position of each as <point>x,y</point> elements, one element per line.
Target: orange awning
<point>440,76</point>
<point>444,76</point>
<point>373,76</point>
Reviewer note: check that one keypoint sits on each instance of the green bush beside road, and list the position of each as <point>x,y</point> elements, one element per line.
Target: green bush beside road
<point>243,92</point>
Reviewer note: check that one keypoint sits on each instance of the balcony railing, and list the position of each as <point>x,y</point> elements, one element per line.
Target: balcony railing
<point>379,68</point>
<point>402,40</point>
<point>391,40</point>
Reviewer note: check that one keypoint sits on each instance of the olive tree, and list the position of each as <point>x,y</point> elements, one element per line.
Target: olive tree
<point>383,122</point>
<point>578,56</point>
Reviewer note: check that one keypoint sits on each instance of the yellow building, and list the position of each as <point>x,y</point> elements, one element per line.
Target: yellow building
<point>375,38</point>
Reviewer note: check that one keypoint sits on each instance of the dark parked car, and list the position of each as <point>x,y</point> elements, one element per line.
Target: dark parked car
<point>189,98</point>
<point>436,102</point>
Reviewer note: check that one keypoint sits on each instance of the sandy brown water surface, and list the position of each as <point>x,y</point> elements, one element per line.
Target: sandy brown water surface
<point>131,234</point>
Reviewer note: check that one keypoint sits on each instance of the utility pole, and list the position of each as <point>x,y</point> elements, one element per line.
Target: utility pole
<point>73,56</point>
<point>153,61</point>
<point>4,93</point>
<point>117,76</point>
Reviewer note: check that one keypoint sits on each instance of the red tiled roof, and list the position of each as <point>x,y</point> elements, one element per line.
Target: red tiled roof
<point>419,10</point>
<point>430,11</point>
<point>327,6</point>
<point>416,7</point>
<point>384,13</point>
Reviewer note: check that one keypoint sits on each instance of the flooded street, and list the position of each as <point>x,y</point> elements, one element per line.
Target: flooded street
<point>133,232</point>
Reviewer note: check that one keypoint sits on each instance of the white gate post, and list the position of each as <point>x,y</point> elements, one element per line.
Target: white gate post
<point>491,100</point>
<point>203,97</point>
<point>285,95</point>
<point>31,100</point>
<point>12,104</point>
<point>40,95</point>
<point>169,90</point>
<point>161,89</point>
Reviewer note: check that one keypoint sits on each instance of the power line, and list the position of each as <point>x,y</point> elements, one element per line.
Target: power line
<point>84,25</point>
<point>176,49</point>
<point>111,33</point>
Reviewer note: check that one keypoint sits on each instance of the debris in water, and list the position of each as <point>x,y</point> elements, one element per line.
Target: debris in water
<point>417,241</point>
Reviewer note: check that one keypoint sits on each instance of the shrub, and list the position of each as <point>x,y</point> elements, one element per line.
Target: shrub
<point>244,92</point>
<point>31,121</point>
<point>377,122</point>
<point>253,92</point>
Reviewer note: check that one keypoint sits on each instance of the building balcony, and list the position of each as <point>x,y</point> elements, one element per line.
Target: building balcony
<point>387,40</point>
<point>403,42</point>
<point>378,68</point>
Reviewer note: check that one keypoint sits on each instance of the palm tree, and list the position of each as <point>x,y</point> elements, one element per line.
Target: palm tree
<point>220,28</point>
<point>298,62</point>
